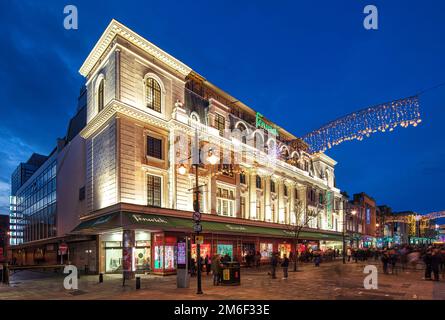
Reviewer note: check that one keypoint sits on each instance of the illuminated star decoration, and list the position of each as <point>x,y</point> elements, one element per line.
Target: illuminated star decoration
<point>363,123</point>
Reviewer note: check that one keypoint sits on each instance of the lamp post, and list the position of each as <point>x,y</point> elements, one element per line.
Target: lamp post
<point>352,213</point>
<point>212,159</point>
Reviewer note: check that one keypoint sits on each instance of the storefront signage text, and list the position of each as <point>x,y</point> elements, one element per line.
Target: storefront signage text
<point>148,220</point>
<point>261,124</point>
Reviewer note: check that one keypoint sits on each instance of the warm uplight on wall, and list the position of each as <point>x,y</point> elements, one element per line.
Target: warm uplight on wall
<point>353,212</point>
<point>182,170</point>
<point>212,158</point>
<point>377,225</point>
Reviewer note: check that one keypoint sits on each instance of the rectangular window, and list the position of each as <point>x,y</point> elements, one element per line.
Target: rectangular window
<point>225,202</point>
<point>220,124</point>
<point>154,147</point>
<point>242,178</point>
<point>258,182</point>
<point>272,186</point>
<point>285,190</point>
<point>154,191</point>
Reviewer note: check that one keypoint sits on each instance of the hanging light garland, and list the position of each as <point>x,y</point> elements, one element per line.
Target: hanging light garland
<point>363,123</point>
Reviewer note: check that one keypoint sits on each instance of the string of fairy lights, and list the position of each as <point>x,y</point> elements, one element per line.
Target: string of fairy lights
<point>361,124</point>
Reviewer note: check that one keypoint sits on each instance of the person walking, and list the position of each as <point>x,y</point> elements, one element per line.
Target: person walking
<point>258,259</point>
<point>317,259</point>
<point>435,263</point>
<point>285,266</point>
<point>427,259</point>
<point>216,270</point>
<point>385,260</point>
<point>349,254</point>
<point>274,263</point>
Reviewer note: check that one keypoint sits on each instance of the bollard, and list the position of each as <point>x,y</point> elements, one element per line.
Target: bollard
<point>101,277</point>
<point>138,283</point>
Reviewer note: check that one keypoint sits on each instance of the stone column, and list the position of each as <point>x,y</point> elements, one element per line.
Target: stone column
<point>252,194</point>
<point>128,243</point>
<point>280,191</point>
<point>237,196</point>
<point>212,193</point>
<point>267,198</point>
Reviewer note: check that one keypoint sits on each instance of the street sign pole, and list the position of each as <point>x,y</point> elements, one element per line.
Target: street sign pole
<point>198,229</point>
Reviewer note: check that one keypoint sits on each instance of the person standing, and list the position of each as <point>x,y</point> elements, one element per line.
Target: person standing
<point>274,263</point>
<point>207,263</point>
<point>427,259</point>
<point>285,266</point>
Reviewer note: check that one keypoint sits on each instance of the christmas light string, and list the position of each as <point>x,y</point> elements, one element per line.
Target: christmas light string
<point>360,124</point>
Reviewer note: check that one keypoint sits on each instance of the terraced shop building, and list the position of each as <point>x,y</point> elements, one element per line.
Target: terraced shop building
<point>147,113</point>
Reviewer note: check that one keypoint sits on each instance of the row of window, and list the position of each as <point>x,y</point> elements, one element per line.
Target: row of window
<point>153,94</point>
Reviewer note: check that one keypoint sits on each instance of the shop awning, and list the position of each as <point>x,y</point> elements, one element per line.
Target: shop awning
<point>167,223</point>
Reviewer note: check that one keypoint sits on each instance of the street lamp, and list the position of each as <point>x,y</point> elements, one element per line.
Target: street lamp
<point>212,158</point>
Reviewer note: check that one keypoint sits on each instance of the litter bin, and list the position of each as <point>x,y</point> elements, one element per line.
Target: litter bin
<point>231,275</point>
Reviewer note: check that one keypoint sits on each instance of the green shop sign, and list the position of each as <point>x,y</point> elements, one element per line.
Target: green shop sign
<point>261,124</point>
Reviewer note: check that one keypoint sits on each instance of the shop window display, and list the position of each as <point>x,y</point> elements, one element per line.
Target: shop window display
<point>224,249</point>
<point>113,258</point>
<point>284,249</point>
<point>204,248</point>
<point>266,250</point>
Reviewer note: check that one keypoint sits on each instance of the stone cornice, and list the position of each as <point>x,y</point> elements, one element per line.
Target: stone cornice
<point>116,28</point>
<point>118,107</point>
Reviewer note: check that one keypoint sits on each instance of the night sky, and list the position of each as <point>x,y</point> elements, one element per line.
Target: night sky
<point>300,63</point>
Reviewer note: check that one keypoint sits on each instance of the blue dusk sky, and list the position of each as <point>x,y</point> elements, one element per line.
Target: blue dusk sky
<point>300,63</point>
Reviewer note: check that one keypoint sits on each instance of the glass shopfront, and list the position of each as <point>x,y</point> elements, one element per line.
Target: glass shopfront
<point>112,244</point>
<point>164,253</point>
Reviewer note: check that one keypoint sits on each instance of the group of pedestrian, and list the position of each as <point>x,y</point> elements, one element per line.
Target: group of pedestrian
<point>408,256</point>
<point>284,262</point>
<point>253,259</point>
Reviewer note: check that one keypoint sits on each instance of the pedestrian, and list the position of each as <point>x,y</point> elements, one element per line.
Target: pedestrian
<point>258,259</point>
<point>285,266</point>
<point>216,270</point>
<point>385,260</point>
<point>427,259</point>
<point>317,259</point>
<point>349,254</point>
<point>274,263</point>
<point>393,259</point>
<point>207,263</point>
<point>435,263</point>
<point>192,267</point>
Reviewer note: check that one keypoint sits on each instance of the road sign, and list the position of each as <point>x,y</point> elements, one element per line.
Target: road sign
<point>63,248</point>
<point>197,227</point>
<point>199,239</point>
<point>196,216</point>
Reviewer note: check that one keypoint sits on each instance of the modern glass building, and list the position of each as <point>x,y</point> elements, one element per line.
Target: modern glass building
<point>35,205</point>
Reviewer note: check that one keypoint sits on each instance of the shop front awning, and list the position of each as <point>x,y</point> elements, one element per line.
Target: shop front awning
<point>167,223</point>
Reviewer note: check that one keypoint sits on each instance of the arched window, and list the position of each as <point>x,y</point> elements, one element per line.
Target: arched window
<point>258,141</point>
<point>243,130</point>
<point>153,94</point>
<point>194,117</point>
<point>100,95</point>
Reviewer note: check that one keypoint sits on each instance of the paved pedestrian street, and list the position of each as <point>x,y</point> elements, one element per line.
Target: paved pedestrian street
<point>333,281</point>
